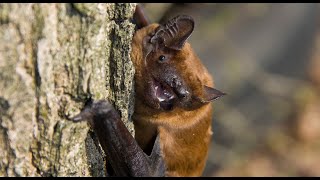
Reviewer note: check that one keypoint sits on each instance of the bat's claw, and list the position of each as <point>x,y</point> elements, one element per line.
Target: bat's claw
<point>84,115</point>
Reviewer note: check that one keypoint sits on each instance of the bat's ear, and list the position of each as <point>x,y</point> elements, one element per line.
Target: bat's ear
<point>175,32</point>
<point>211,94</point>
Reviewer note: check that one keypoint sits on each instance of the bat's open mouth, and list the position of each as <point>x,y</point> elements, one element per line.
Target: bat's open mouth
<point>164,94</point>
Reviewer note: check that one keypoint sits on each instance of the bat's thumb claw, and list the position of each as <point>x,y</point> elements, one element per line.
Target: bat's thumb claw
<point>101,107</point>
<point>84,115</point>
<point>77,118</point>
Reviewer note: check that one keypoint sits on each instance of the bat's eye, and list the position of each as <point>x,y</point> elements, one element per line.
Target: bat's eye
<point>162,58</point>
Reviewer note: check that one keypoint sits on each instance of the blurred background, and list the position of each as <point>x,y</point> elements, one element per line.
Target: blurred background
<point>267,58</point>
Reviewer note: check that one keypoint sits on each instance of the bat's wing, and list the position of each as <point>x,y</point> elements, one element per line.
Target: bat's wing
<point>123,152</point>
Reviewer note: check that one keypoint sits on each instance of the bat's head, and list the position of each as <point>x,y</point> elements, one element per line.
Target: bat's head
<point>168,73</point>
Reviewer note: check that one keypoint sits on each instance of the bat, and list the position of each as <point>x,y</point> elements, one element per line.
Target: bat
<point>173,112</point>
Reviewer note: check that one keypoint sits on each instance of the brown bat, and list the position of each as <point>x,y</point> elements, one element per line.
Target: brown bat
<point>172,117</point>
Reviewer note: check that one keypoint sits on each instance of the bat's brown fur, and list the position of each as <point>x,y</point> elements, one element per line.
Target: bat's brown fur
<point>184,135</point>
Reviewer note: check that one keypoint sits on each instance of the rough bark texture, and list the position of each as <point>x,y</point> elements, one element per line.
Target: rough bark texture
<point>52,57</point>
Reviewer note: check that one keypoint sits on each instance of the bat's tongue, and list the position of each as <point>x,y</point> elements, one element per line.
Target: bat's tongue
<point>165,96</point>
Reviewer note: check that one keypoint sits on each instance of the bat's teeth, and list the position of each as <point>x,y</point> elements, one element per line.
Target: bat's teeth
<point>161,99</point>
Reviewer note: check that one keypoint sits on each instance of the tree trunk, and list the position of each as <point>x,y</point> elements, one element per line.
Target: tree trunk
<point>52,58</point>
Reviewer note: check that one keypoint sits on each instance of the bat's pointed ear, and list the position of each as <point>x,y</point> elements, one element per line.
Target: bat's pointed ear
<point>175,32</point>
<point>211,94</point>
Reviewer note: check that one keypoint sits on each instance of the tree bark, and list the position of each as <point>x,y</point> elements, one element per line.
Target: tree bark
<point>52,58</point>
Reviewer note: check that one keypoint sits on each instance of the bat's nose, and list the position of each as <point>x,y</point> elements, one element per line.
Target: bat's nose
<point>182,93</point>
<point>178,86</point>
